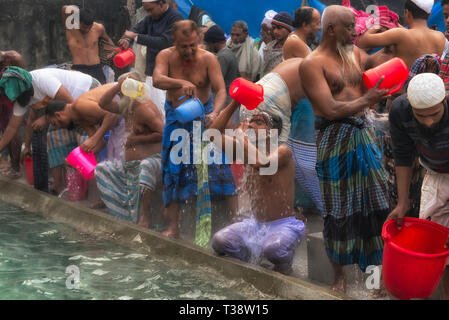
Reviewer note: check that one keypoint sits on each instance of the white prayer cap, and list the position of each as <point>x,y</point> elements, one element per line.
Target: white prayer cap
<point>425,5</point>
<point>425,90</point>
<point>269,15</point>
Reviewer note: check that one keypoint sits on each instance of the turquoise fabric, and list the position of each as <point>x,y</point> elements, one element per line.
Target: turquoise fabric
<point>303,122</point>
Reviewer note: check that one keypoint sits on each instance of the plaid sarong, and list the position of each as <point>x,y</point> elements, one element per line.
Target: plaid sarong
<point>61,142</point>
<point>180,181</point>
<point>40,160</point>
<point>354,187</point>
<point>444,72</point>
<point>426,63</point>
<point>121,184</point>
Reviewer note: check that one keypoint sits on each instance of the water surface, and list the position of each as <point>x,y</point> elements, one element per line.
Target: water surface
<point>35,254</point>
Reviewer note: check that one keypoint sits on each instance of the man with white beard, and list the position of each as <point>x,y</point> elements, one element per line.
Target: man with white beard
<point>352,178</point>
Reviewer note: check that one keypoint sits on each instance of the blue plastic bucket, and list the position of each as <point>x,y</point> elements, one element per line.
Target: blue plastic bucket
<point>190,110</point>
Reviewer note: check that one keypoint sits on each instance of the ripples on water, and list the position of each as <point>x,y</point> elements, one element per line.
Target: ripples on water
<point>34,255</point>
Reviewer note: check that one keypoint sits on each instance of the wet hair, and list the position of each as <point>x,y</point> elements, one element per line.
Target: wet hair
<point>87,16</point>
<point>25,98</point>
<point>54,106</point>
<point>135,74</point>
<point>276,122</point>
<point>186,31</point>
<point>416,11</point>
<point>303,15</point>
<point>241,25</point>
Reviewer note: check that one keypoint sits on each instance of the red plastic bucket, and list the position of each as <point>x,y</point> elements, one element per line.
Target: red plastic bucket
<point>124,58</point>
<point>247,93</point>
<point>28,162</point>
<point>76,185</point>
<point>414,257</point>
<point>395,72</point>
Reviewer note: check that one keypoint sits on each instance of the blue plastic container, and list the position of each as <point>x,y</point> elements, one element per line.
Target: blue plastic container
<point>103,154</point>
<point>190,110</point>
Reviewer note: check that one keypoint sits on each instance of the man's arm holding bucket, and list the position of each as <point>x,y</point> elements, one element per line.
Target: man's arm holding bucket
<point>163,81</point>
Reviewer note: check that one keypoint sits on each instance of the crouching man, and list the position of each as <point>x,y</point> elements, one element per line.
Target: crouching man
<point>127,185</point>
<point>273,231</point>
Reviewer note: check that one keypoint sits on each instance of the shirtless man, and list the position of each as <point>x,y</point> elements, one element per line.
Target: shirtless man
<point>186,71</point>
<point>307,23</point>
<point>83,42</point>
<point>272,231</point>
<point>142,165</point>
<point>284,97</point>
<point>332,79</point>
<point>409,44</point>
<point>84,113</point>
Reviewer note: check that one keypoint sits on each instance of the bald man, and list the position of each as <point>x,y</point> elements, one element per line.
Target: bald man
<point>412,43</point>
<point>419,124</point>
<point>350,170</point>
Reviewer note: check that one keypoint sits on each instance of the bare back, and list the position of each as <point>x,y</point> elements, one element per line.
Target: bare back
<point>87,109</point>
<point>195,72</point>
<point>415,43</point>
<point>84,48</point>
<point>289,72</point>
<point>295,47</point>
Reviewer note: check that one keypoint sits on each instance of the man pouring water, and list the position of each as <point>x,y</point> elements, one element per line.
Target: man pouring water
<point>186,72</point>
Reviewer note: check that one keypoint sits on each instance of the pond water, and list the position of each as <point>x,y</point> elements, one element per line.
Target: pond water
<point>40,259</point>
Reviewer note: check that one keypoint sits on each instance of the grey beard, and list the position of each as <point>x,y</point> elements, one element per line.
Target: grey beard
<point>350,65</point>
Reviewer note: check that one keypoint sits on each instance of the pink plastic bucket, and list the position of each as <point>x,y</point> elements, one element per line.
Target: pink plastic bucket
<point>84,162</point>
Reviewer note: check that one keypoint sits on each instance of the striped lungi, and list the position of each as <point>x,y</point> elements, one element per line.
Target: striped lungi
<point>60,142</point>
<point>121,184</point>
<point>354,187</point>
<point>304,156</point>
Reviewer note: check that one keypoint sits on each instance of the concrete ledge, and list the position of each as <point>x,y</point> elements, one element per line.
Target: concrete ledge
<point>148,241</point>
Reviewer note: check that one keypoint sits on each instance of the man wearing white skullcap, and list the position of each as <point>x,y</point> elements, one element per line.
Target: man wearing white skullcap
<point>266,32</point>
<point>419,124</point>
<point>412,43</point>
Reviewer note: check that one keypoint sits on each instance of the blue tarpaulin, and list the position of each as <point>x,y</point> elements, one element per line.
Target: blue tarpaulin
<point>225,13</point>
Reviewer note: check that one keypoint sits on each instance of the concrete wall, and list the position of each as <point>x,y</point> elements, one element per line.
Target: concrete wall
<point>34,28</point>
